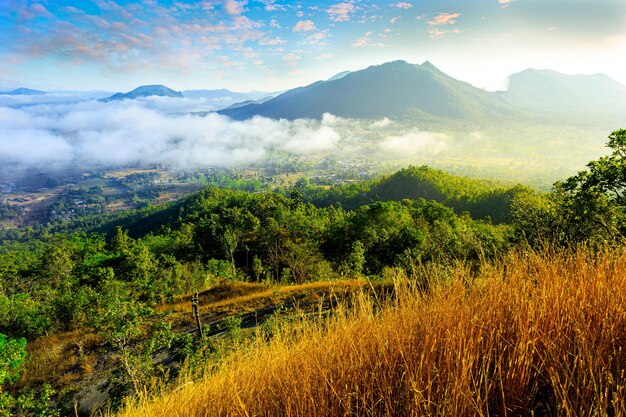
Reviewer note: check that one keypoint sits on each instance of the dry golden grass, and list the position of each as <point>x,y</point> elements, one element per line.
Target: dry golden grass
<point>533,334</point>
<point>68,355</point>
<point>238,297</point>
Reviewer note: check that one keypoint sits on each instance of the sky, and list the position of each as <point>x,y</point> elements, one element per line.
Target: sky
<point>272,45</point>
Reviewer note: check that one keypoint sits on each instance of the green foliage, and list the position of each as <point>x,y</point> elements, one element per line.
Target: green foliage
<point>12,355</point>
<point>588,207</point>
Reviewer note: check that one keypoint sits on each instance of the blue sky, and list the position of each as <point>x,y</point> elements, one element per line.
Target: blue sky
<point>272,45</point>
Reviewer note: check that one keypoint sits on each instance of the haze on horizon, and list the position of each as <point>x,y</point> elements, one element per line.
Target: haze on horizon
<point>273,45</point>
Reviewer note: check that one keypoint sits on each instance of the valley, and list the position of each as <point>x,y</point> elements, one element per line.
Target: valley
<point>325,208</point>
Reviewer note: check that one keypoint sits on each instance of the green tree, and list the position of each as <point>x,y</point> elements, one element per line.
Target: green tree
<point>593,202</point>
<point>229,243</point>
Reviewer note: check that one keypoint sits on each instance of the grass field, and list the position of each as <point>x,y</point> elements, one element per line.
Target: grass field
<point>534,334</point>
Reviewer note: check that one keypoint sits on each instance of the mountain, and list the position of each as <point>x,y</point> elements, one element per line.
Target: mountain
<point>395,89</point>
<point>226,95</point>
<point>248,102</point>
<point>339,76</point>
<point>24,92</point>
<point>146,91</point>
<point>399,90</point>
<point>223,98</point>
<point>555,93</point>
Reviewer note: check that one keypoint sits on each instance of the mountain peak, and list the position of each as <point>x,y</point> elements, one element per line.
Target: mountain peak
<point>338,76</point>
<point>147,91</point>
<point>22,91</point>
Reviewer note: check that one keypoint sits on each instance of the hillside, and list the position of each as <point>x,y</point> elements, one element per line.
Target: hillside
<point>105,300</point>
<point>534,334</point>
<point>482,199</point>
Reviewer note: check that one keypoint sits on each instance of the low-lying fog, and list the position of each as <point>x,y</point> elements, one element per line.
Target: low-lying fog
<point>48,133</point>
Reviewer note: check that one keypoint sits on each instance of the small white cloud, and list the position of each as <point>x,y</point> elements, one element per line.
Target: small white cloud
<point>340,12</point>
<point>234,7</point>
<point>274,24</point>
<point>304,26</point>
<point>402,5</point>
<point>272,42</point>
<point>444,19</point>
<point>291,59</point>
<point>271,6</point>
<point>437,33</point>
<point>362,41</point>
<point>324,57</point>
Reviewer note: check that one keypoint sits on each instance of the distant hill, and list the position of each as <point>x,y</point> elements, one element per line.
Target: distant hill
<point>249,102</point>
<point>395,89</point>
<point>24,92</point>
<point>577,95</point>
<point>400,90</point>
<point>227,96</point>
<point>146,91</point>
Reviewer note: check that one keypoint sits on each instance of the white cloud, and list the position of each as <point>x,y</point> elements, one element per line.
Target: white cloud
<point>444,19</point>
<point>274,24</point>
<point>270,5</point>
<point>291,59</point>
<point>384,122</point>
<point>414,143</point>
<point>304,26</point>
<point>362,41</point>
<point>340,12</point>
<point>234,7</point>
<point>365,40</point>
<point>272,42</point>
<point>402,5</point>
<point>121,133</point>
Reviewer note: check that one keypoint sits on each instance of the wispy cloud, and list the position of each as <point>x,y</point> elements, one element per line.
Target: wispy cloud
<point>413,143</point>
<point>272,41</point>
<point>304,26</point>
<point>437,33</point>
<point>366,40</point>
<point>362,41</point>
<point>340,12</point>
<point>234,7</point>
<point>291,59</point>
<point>402,5</point>
<point>271,5</point>
<point>444,19</point>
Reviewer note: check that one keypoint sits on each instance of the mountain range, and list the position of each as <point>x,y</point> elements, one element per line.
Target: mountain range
<point>400,90</point>
<point>403,91</point>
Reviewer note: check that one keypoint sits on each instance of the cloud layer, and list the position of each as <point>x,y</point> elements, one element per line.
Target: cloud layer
<point>129,133</point>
